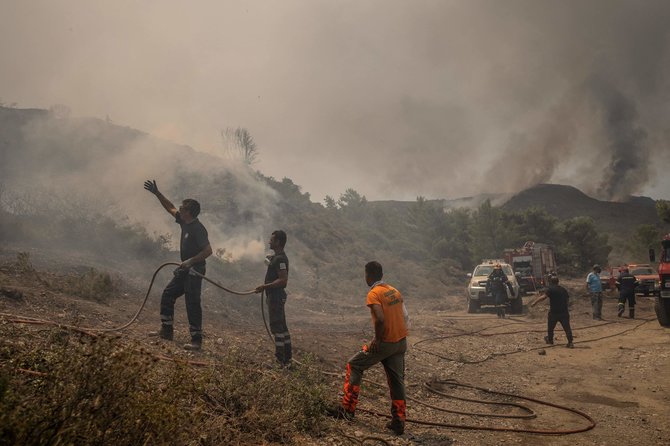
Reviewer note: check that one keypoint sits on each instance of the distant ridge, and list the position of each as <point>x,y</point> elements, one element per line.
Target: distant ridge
<point>566,202</point>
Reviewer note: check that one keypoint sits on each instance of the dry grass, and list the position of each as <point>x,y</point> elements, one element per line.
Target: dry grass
<point>101,390</point>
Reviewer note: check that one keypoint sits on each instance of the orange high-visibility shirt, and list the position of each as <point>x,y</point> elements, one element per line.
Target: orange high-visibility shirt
<point>391,302</point>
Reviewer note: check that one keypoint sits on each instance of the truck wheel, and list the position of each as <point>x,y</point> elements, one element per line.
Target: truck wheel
<point>662,308</point>
<point>516,306</point>
<point>473,306</point>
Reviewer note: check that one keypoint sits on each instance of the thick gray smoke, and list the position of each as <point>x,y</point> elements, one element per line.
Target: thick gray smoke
<point>67,167</point>
<point>626,145</point>
<point>393,98</point>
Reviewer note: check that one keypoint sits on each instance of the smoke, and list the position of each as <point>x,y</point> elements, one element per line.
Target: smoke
<point>434,98</point>
<point>626,144</point>
<point>86,167</point>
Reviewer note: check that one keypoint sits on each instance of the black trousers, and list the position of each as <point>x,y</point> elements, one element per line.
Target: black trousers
<point>553,319</point>
<point>630,297</point>
<point>278,327</point>
<point>189,285</point>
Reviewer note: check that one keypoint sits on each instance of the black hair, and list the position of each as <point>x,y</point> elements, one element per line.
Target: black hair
<point>280,236</point>
<point>192,206</point>
<point>553,280</point>
<point>374,270</point>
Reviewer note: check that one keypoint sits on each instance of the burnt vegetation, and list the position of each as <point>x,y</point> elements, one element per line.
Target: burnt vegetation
<point>59,387</point>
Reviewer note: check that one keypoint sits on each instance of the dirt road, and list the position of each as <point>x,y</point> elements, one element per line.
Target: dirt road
<point>617,373</point>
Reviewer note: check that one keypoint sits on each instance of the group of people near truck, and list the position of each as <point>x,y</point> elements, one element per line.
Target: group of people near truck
<point>387,310</point>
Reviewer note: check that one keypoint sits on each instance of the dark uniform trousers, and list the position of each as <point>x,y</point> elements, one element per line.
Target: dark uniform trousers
<point>553,319</point>
<point>276,303</point>
<point>392,357</point>
<point>190,286</point>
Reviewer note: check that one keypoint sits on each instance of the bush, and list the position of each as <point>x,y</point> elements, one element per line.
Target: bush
<point>100,390</point>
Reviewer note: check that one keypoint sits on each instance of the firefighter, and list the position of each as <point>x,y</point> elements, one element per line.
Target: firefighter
<point>595,287</point>
<point>626,284</point>
<point>194,248</point>
<point>389,318</point>
<point>558,309</point>
<point>497,284</point>
<point>274,286</point>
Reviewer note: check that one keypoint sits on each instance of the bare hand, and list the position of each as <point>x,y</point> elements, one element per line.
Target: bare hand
<point>373,347</point>
<point>151,186</point>
<point>186,264</point>
<point>260,288</point>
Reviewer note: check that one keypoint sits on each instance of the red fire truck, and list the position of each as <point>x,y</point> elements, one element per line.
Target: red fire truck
<point>531,264</point>
<point>662,306</point>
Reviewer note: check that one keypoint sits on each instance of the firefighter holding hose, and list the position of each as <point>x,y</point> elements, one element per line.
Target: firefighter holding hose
<point>194,248</point>
<point>274,286</point>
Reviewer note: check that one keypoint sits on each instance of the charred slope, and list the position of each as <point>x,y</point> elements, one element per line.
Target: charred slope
<point>566,202</point>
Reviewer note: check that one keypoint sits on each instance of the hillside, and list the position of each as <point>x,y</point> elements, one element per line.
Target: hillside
<point>566,202</point>
<point>75,184</point>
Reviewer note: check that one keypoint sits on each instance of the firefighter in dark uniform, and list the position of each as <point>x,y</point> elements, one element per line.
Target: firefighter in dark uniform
<point>497,284</point>
<point>276,279</point>
<point>559,300</point>
<point>194,248</point>
<point>626,284</point>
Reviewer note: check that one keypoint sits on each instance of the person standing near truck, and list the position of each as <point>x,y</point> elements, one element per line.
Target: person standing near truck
<point>558,310</point>
<point>595,287</point>
<point>497,284</point>
<point>626,284</point>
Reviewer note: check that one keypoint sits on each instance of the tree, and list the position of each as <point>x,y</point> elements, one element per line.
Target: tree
<point>583,244</point>
<point>239,143</point>
<point>330,202</point>
<point>489,232</point>
<point>644,237</point>
<point>538,225</point>
<point>351,199</point>
<point>663,209</point>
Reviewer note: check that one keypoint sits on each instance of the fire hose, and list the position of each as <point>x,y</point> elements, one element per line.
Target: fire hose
<point>435,386</point>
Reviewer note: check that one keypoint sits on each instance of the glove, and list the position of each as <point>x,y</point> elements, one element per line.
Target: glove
<point>151,186</point>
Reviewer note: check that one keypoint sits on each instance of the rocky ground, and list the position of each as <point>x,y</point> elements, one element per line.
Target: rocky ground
<point>617,374</point>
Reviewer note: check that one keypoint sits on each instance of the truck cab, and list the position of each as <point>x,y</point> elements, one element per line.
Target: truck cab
<point>662,306</point>
<point>477,294</point>
<point>648,278</point>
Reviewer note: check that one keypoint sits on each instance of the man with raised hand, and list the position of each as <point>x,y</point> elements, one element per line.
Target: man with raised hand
<point>194,248</point>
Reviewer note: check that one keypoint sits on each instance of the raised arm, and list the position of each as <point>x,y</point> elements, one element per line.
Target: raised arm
<point>151,186</point>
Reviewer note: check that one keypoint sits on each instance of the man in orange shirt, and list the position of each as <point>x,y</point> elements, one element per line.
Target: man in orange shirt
<point>389,318</point>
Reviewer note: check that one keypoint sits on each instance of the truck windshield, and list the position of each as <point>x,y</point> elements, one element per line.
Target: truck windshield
<point>485,270</point>
<point>642,271</point>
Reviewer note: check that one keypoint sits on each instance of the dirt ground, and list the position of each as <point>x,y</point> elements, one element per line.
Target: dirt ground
<point>618,372</point>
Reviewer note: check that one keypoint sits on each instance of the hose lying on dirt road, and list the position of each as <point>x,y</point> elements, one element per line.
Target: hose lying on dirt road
<point>495,355</point>
<point>435,386</point>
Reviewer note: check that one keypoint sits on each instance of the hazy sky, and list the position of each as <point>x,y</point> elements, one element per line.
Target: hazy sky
<point>393,98</point>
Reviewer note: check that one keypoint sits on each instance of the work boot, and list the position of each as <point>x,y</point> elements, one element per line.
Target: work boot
<point>194,346</point>
<point>621,310</point>
<point>397,426</point>
<point>340,413</point>
<point>548,341</point>
<point>165,332</point>
<point>570,345</point>
<point>631,313</point>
